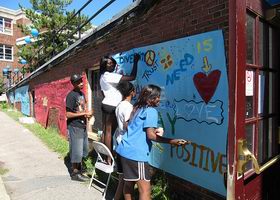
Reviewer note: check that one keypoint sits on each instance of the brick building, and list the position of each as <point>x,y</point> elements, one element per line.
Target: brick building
<point>9,35</point>
<point>218,64</point>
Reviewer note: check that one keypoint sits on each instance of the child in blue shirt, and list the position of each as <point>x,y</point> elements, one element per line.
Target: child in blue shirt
<point>136,143</point>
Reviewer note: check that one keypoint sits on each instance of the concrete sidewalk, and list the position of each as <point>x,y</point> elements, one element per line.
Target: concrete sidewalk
<point>35,173</point>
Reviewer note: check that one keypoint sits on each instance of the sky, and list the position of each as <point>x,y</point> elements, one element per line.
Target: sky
<point>95,5</point>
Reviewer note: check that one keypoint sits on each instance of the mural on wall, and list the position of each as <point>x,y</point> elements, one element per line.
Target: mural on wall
<point>11,96</point>
<point>194,104</point>
<point>22,96</point>
<point>50,103</point>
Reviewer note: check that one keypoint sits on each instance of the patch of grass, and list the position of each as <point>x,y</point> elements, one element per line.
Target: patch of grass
<point>160,189</point>
<point>89,162</point>
<point>52,138</point>
<point>49,136</point>
<point>3,106</point>
<point>3,171</point>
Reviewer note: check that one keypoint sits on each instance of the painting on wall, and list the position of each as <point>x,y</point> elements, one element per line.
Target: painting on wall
<point>11,96</point>
<point>194,104</point>
<point>50,104</point>
<point>22,96</point>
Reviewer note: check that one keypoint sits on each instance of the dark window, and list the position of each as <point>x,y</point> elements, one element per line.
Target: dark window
<point>262,68</point>
<point>6,52</point>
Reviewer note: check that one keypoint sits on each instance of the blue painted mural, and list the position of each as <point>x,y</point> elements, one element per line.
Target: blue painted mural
<point>194,104</point>
<point>11,96</point>
<point>21,95</point>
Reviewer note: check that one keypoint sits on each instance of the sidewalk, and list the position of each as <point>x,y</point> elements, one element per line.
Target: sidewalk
<point>35,173</point>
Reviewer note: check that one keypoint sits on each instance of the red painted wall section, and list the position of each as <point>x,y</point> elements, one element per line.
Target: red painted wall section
<point>51,96</point>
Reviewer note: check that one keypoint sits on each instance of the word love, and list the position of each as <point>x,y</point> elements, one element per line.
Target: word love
<point>211,113</point>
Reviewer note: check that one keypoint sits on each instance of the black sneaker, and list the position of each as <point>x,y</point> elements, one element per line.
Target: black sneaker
<point>84,171</point>
<point>79,177</point>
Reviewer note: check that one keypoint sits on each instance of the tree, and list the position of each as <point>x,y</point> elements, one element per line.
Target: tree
<point>49,17</point>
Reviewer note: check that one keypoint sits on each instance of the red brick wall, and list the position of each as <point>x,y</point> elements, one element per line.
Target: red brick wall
<point>50,104</point>
<point>11,41</point>
<point>257,6</point>
<point>166,20</point>
<point>52,96</point>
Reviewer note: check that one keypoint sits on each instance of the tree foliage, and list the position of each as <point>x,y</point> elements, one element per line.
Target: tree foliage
<point>49,17</point>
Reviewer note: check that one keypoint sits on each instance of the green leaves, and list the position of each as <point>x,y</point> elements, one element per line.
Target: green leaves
<point>49,16</point>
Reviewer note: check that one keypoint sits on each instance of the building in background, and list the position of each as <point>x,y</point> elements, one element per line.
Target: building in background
<point>218,62</point>
<point>9,34</point>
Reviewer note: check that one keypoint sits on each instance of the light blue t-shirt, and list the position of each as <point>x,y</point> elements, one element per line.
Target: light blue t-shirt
<point>135,145</point>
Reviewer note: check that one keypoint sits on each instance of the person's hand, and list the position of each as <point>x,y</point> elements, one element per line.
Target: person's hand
<point>136,57</point>
<point>159,131</point>
<point>179,142</point>
<point>88,114</point>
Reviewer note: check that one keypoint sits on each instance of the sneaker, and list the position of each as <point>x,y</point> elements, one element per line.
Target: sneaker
<point>84,171</point>
<point>79,177</point>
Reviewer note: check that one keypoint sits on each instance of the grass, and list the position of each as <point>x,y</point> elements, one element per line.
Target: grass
<point>49,136</point>
<point>57,143</point>
<point>3,171</point>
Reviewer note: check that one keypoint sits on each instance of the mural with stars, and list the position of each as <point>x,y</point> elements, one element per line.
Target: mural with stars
<point>194,104</point>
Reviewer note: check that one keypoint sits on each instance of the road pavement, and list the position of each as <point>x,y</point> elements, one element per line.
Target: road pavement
<point>34,171</point>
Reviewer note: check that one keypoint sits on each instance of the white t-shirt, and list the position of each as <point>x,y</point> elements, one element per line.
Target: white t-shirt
<point>108,83</point>
<point>123,111</point>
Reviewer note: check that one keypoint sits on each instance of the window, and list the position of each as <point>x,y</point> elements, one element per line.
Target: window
<point>6,52</point>
<point>5,25</point>
<point>261,89</point>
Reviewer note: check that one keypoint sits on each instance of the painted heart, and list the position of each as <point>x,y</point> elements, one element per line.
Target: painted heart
<point>206,84</point>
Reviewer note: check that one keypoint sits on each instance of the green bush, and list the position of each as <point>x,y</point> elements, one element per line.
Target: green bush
<point>3,106</point>
<point>160,189</point>
<point>51,137</point>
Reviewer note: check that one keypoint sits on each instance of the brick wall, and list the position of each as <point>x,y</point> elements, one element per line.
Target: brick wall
<point>188,191</point>
<point>165,20</point>
<point>11,41</point>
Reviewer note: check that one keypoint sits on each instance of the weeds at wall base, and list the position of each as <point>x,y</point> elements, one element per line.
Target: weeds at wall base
<point>55,142</point>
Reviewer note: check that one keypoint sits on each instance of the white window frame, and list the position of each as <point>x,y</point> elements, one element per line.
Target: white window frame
<point>4,53</point>
<point>2,30</point>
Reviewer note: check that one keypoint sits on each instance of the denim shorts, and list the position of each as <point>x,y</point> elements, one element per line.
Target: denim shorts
<point>78,143</point>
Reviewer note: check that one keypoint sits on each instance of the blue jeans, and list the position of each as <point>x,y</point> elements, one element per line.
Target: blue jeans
<point>78,143</point>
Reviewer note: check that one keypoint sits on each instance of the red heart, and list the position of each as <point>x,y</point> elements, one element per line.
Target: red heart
<point>206,84</point>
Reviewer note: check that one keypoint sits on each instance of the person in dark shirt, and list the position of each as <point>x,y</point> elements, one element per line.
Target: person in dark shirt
<point>77,114</point>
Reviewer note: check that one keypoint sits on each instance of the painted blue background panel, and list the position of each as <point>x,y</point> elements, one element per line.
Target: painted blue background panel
<point>194,104</point>
<point>21,95</point>
<point>11,96</point>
